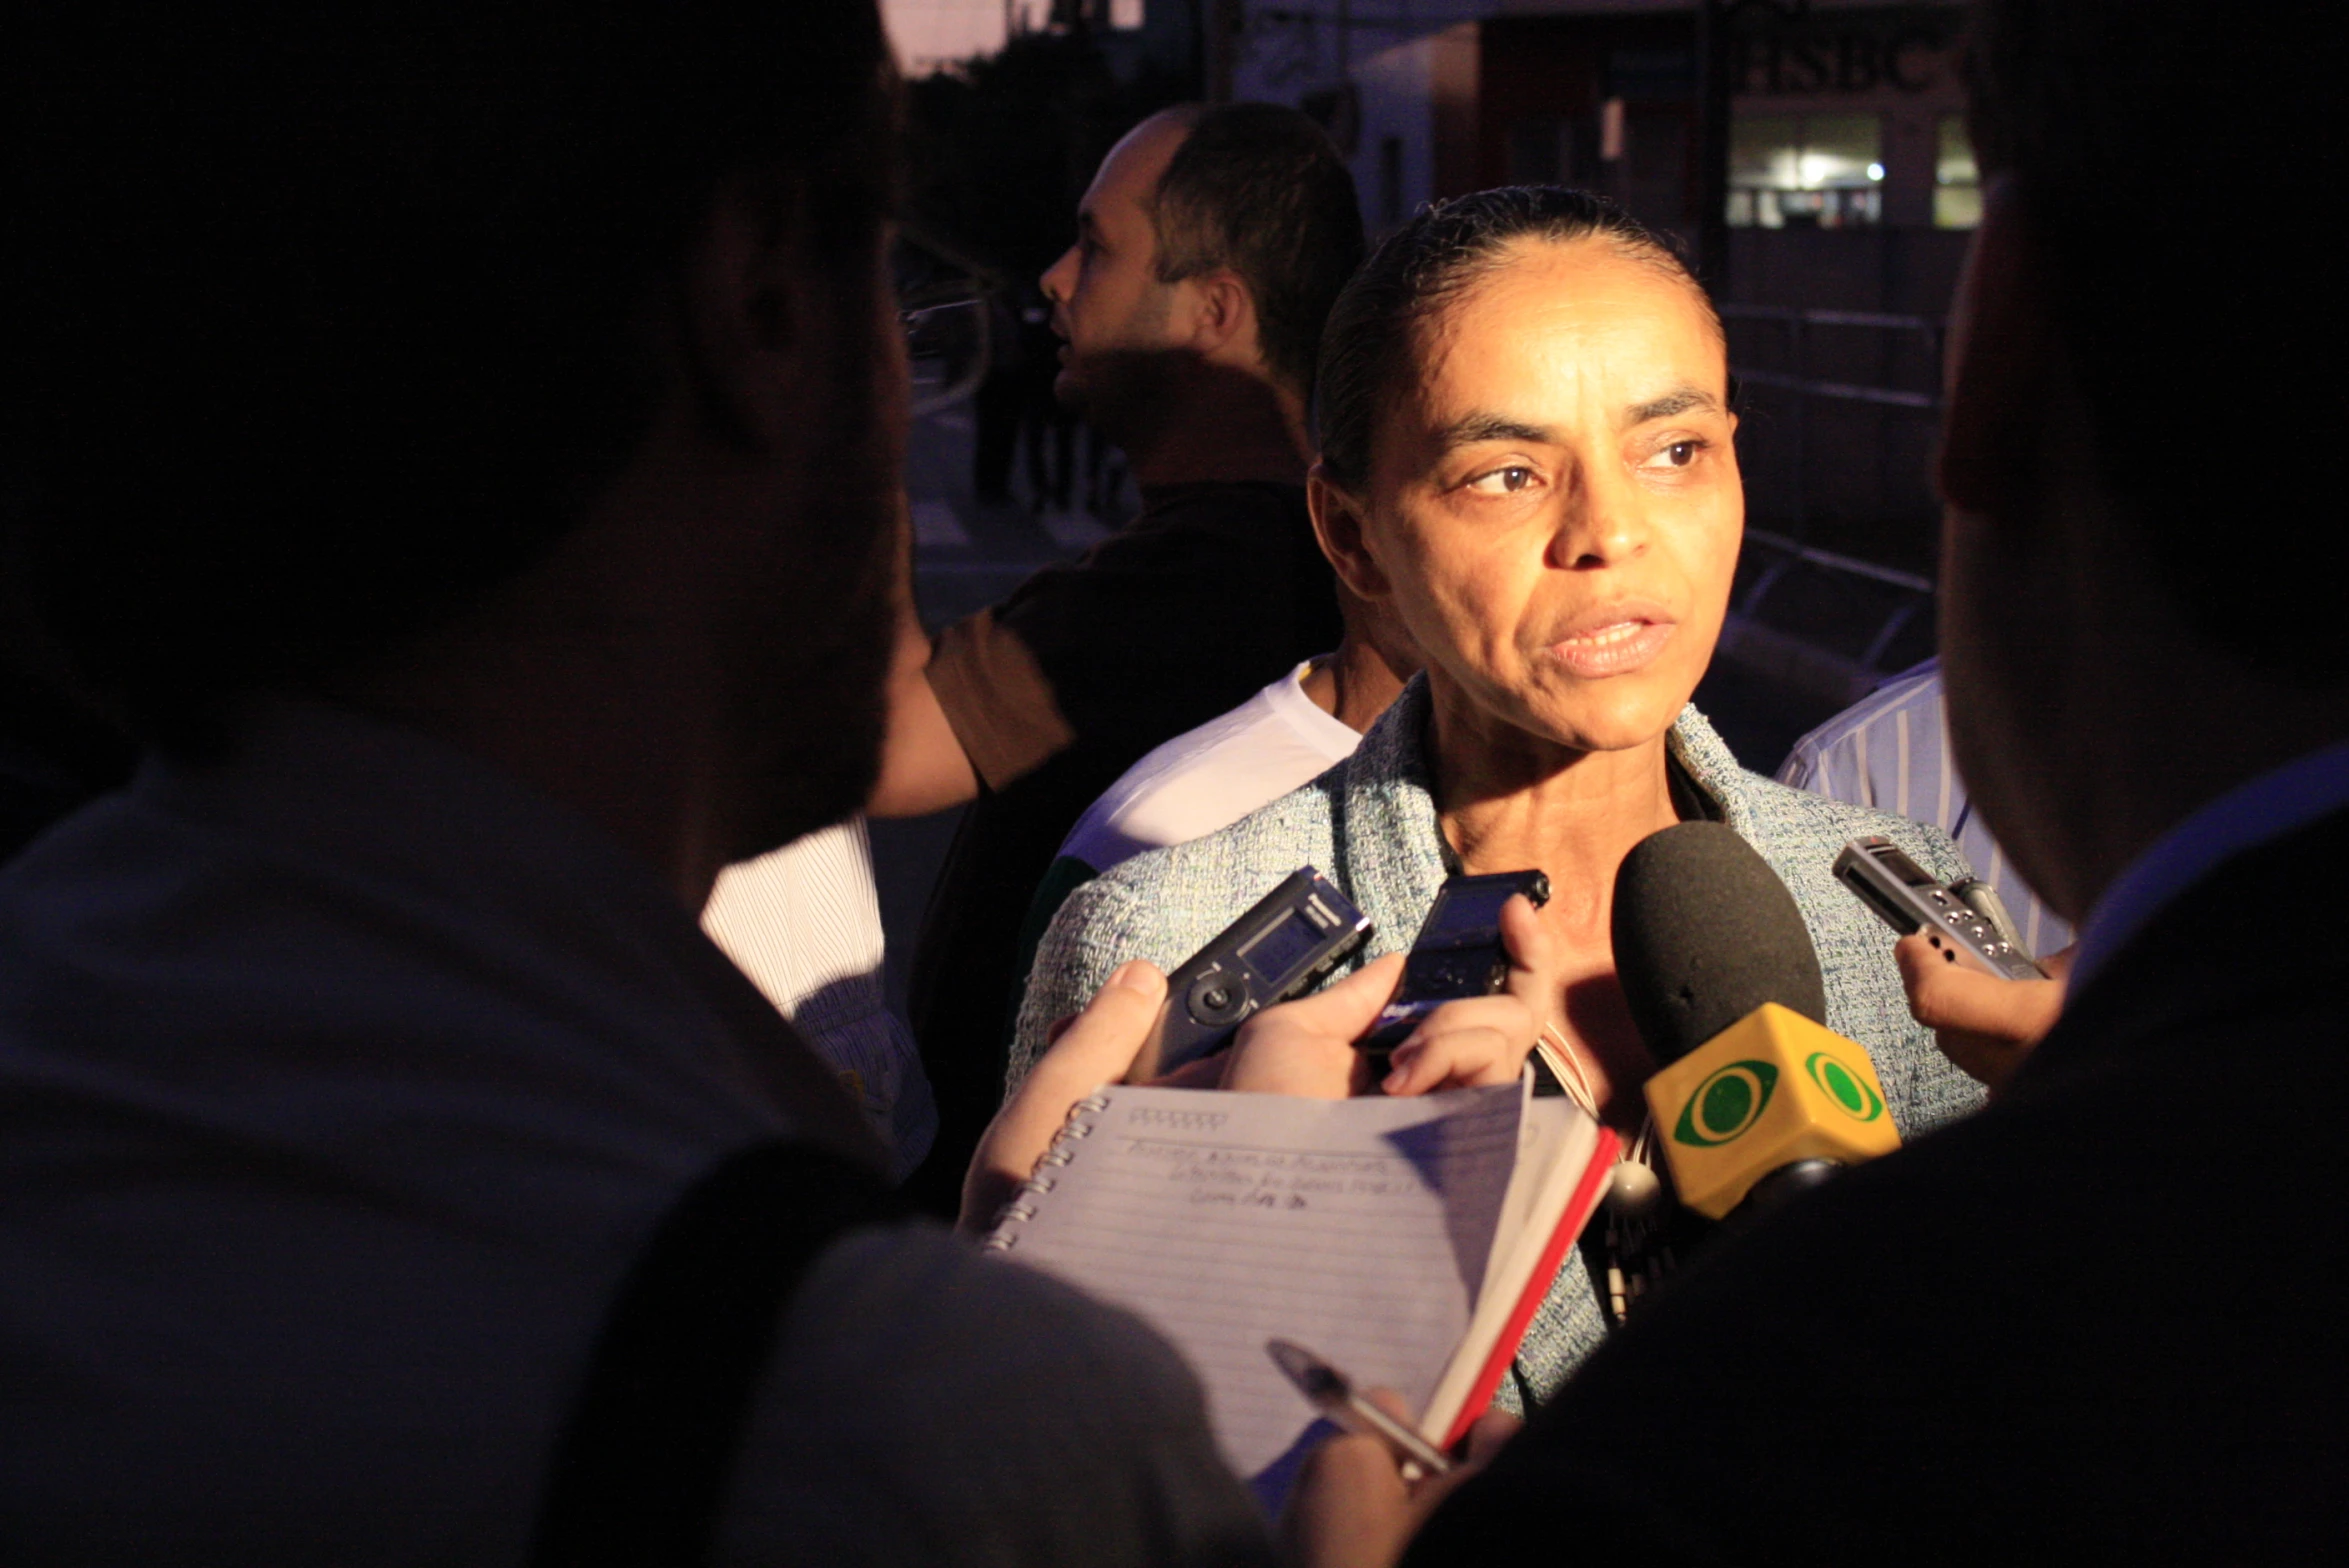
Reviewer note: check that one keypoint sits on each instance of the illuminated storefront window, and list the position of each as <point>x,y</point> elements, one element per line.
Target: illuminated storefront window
<point>1957,184</point>
<point>1807,170</point>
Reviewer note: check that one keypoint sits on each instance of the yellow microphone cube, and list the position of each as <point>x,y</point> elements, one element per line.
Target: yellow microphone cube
<point>1768,1090</point>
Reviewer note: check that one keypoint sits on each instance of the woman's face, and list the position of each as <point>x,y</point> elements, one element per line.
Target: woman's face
<point>1554,508</point>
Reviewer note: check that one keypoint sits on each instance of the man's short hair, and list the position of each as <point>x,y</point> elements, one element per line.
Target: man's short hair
<point>329,320</point>
<point>1260,190</point>
<point>2173,158</point>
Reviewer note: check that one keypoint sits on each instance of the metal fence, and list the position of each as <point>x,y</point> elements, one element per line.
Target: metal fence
<point>1798,326</point>
<point>1823,627</point>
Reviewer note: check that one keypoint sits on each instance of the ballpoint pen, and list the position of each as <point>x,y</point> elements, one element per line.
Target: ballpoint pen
<point>1333,1394</point>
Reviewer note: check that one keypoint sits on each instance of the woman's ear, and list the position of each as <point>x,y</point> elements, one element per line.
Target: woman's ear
<point>1338,522</point>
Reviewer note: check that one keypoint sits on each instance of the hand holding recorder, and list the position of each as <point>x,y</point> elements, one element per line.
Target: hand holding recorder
<point>1325,1045</point>
<point>1986,1026</point>
<point>1309,1047</point>
<point>1968,976</point>
<point>1471,954</point>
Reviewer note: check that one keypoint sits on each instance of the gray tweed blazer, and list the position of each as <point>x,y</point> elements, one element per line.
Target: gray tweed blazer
<point>1369,823</point>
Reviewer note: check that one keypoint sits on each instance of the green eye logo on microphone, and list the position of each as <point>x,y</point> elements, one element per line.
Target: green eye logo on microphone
<point>1847,1089</point>
<point>1726,1104</point>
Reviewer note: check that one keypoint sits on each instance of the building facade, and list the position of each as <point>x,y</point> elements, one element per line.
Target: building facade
<point>1849,186</point>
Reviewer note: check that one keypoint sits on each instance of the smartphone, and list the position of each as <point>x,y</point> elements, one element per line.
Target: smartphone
<point>1908,898</point>
<point>1459,952</point>
<point>1287,941</point>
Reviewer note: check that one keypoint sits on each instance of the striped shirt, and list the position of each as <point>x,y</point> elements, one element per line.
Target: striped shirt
<point>805,924</point>
<point>1891,751</point>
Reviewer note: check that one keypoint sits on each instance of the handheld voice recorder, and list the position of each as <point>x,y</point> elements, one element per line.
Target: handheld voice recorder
<point>1286,941</point>
<point>1458,952</point>
<point>1908,898</point>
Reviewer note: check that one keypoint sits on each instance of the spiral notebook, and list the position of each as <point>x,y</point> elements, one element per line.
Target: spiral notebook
<point>1406,1240</point>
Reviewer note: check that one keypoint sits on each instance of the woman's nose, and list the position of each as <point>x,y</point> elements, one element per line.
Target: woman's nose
<point>1602,521</point>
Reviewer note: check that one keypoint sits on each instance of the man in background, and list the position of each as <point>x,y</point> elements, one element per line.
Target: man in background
<point>466,441</point>
<point>1208,250</point>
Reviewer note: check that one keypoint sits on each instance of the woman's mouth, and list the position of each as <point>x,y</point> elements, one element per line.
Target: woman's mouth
<point>1616,646</point>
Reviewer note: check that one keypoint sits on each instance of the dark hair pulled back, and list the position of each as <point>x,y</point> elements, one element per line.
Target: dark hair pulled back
<point>1426,264</point>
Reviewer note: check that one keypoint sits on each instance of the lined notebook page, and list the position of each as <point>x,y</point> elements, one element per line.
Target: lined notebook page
<point>1359,1228</point>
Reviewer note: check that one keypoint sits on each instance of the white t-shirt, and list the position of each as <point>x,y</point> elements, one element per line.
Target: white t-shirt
<point>341,1080</point>
<point>1214,775</point>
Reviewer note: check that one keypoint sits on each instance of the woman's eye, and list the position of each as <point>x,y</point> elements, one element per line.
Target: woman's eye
<point>1502,481</point>
<point>1678,455</point>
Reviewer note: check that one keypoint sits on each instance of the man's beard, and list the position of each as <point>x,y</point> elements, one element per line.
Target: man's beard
<point>2002,669</point>
<point>824,756</point>
<point>818,655</point>
<point>817,718</point>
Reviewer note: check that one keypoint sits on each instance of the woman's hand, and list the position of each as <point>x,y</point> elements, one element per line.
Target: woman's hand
<point>1983,1023</point>
<point>1093,1048</point>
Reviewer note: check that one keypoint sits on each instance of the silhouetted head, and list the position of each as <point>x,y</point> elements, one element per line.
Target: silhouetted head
<point>333,320</point>
<point>2140,137</point>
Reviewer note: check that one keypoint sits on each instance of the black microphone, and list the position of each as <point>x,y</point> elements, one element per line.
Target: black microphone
<point>1754,1097</point>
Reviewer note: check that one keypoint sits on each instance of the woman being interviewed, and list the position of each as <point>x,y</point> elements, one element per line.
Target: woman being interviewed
<point>1527,454</point>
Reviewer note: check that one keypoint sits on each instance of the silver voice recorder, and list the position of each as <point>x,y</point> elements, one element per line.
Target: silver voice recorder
<point>1908,898</point>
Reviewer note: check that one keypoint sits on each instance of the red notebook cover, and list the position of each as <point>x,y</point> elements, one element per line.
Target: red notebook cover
<point>1570,1223</point>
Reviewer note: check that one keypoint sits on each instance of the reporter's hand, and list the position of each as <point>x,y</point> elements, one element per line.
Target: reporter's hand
<point>1983,1023</point>
<point>1484,1040</point>
<point>1094,1048</point>
<point>1306,1047</point>
<point>1351,1507</point>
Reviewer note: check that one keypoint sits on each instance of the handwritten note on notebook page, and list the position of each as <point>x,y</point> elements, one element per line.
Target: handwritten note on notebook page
<point>1364,1229</point>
